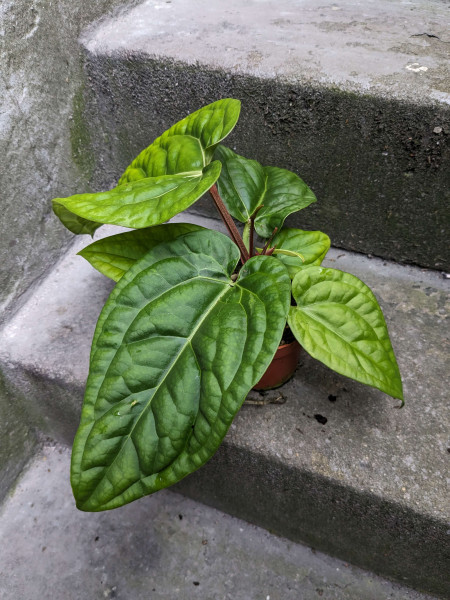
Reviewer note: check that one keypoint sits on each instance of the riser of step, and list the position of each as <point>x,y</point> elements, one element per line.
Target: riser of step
<point>368,486</point>
<point>330,93</point>
<point>165,548</point>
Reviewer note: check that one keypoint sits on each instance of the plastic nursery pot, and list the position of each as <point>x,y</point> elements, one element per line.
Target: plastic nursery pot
<point>281,368</point>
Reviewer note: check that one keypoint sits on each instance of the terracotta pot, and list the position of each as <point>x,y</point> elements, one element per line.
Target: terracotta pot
<point>281,368</point>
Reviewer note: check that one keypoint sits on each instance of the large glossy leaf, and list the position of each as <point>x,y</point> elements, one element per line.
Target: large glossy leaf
<point>144,202</point>
<point>177,347</point>
<point>338,321</point>
<point>114,255</point>
<point>188,145</point>
<point>244,185</point>
<point>300,248</point>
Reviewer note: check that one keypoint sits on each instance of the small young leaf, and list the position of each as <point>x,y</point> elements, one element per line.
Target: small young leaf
<point>188,145</point>
<point>177,347</point>
<point>338,321</point>
<point>114,255</point>
<point>241,184</point>
<point>144,202</point>
<point>310,246</point>
<point>244,185</point>
<point>285,193</point>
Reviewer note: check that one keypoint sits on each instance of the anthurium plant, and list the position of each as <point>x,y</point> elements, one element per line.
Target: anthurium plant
<point>196,316</point>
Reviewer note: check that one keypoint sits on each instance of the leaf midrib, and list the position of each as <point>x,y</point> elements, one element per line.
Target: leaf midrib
<point>357,351</point>
<point>382,383</point>
<point>116,197</point>
<point>245,212</point>
<point>211,307</point>
<point>365,291</point>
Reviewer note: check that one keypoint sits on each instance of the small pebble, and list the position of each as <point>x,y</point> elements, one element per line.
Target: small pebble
<point>321,419</point>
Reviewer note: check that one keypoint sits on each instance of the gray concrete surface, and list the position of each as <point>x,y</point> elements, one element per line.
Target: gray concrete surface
<point>41,140</point>
<point>353,96</point>
<point>17,435</point>
<point>368,486</point>
<point>164,547</point>
<point>364,46</point>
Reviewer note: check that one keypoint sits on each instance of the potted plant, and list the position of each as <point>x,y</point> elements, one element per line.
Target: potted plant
<point>196,317</point>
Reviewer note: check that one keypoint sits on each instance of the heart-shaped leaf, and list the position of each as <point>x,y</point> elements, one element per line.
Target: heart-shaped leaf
<point>244,185</point>
<point>305,248</point>
<point>338,321</point>
<point>144,202</point>
<point>185,150</point>
<point>114,255</point>
<point>188,145</point>
<point>177,347</point>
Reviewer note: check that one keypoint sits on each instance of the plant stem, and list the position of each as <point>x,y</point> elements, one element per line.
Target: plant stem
<point>252,229</point>
<point>229,223</point>
<point>266,246</point>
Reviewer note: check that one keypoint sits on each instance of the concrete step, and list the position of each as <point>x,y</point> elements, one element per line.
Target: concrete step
<point>353,96</point>
<point>165,547</point>
<point>368,485</point>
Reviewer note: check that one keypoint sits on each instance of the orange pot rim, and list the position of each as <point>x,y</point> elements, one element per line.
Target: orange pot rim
<point>282,350</point>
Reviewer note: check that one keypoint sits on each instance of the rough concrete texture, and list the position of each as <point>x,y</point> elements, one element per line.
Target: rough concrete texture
<point>352,96</point>
<point>41,136</point>
<point>163,547</point>
<point>368,486</point>
<point>17,435</point>
<point>364,46</point>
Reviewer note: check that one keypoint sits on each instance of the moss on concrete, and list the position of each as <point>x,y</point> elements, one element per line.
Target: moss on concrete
<point>41,72</point>
<point>80,136</point>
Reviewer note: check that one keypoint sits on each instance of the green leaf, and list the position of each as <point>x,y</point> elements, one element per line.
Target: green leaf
<point>144,202</point>
<point>185,150</point>
<point>308,248</point>
<point>241,184</point>
<point>74,223</point>
<point>114,255</point>
<point>338,321</point>
<point>244,185</point>
<point>177,347</point>
<point>188,145</point>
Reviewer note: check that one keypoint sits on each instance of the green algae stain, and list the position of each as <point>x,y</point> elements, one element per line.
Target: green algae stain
<point>80,137</point>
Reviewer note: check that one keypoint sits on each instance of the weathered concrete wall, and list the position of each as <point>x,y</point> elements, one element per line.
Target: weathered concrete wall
<point>40,137</point>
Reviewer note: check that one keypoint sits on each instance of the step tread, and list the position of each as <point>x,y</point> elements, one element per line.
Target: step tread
<point>166,546</point>
<point>402,50</point>
<point>388,48</point>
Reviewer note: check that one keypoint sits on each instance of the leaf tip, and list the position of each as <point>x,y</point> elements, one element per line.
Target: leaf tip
<point>402,401</point>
